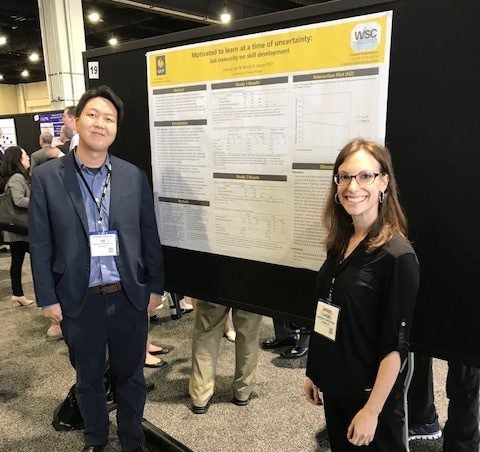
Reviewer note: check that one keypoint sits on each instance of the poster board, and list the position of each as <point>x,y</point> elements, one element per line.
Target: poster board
<point>8,133</point>
<point>431,132</point>
<point>243,146</point>
<point>51,122</point>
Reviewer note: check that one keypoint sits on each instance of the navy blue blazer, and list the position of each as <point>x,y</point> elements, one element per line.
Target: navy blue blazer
<point>59,236</point>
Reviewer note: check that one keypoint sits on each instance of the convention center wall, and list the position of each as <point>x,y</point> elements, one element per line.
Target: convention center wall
<point>430,130</point>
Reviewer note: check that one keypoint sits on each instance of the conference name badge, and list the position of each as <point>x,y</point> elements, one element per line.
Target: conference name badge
<point>326,319</point>
<point>104,244</point>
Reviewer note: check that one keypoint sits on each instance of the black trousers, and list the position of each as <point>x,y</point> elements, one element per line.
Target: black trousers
<point>339,412</point>
<point>284,329</point>
<point>461,433</point>
<point>461,429</point>
<point>109,321</point>
<point>421,407</point>
<point>18,251</point>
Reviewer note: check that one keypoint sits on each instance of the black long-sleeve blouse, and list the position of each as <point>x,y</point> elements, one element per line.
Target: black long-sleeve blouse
<point>376,293</point>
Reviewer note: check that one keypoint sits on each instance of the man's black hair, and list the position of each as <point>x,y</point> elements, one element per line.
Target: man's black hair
<point>101,91</point>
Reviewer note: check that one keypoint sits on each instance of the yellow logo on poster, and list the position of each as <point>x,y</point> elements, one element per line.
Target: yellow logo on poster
<point>160,65</point>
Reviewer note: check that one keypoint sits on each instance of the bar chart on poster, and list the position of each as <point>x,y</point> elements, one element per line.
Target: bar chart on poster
<point>244,132</point>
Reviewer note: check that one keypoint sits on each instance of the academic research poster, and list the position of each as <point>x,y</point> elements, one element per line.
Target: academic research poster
<point>245,131</point>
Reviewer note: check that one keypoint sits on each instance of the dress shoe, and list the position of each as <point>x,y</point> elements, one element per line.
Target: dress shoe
<point>93,449</point>
<point>22,301</point>
<point>201,409</point>
<point>161,365</point>
<point>294,353</point>
<point>162,351</point>
<point>54,332</point>
<point>239,402</point>
<point>275,343</point>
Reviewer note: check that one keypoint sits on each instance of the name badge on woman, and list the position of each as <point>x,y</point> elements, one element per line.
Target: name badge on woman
<point>326,319</point>
<point>104,243</point>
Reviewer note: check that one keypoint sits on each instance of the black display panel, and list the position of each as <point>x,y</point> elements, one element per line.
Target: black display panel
<point>435,67</point>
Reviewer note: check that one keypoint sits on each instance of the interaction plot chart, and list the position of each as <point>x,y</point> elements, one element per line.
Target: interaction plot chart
<point>323,120</point>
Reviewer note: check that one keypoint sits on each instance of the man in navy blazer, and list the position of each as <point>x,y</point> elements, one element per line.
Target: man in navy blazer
<point>98,267</point>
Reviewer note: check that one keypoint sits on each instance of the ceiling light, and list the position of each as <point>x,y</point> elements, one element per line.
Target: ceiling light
<point>1,76</point>
<point>225,17</point>
<point>113,41</point>
<point>34,57</point>
<point>3,40</point>
<point>24,73</point>
<point>94,17</point>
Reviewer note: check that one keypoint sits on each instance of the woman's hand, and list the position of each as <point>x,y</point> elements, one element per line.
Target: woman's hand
<point>311,392</point>
<point>362,428</point>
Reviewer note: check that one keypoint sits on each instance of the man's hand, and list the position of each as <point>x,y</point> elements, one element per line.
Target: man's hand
<point>154,302</point>
<point>53,312</point>
<point>311,392</point>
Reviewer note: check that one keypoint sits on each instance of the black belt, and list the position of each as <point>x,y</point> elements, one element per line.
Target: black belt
<point>106,288</point>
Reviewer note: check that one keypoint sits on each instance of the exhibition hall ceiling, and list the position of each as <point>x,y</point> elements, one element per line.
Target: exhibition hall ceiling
<point>125,20</point>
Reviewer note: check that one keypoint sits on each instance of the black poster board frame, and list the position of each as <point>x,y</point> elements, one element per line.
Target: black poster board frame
<point>435,68</point>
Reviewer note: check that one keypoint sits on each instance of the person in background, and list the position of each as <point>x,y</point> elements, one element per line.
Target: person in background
<point>66,134</point>
<point>14,178</point>
<point>44,154</point>
<point>209,326</point>
<point>151,360</point>
<point>98,267</point>
<point>69,115</point>
<point>3,245</point>
<point>287,334</point>
<point>41,156</point>
<point>461,432</point>
<point>367,288</point>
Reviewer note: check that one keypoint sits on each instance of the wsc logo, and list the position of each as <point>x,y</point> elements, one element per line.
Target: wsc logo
<point>365,37</point>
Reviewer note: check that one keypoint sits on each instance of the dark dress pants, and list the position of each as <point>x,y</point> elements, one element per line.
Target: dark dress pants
<point>284,329</point>
<point>339,412</point>
<point>461,432</point>
<point>421,407</point>
<point>109,321</point>
<point>18,251</point>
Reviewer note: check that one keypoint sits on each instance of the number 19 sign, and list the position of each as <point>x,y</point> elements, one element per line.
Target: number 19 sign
<point>93,72</point>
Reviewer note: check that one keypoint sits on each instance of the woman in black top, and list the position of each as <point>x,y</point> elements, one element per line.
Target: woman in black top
<point>14,179</point>
<point>367,289</point>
